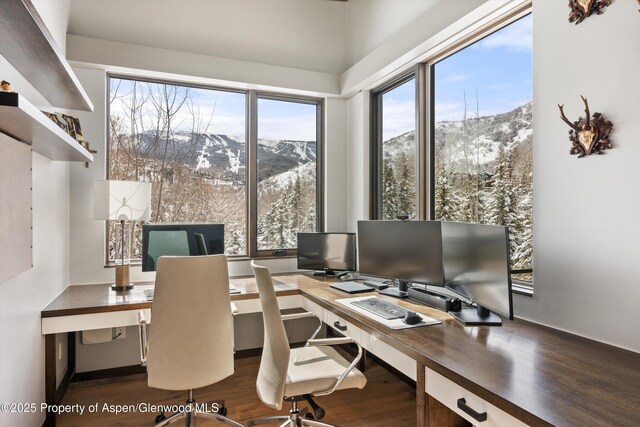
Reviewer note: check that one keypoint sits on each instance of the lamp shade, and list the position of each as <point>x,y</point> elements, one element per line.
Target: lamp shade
<point>122,200</point>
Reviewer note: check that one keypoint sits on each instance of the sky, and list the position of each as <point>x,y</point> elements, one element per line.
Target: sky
<point>224,112</point>
<point>498,67</point>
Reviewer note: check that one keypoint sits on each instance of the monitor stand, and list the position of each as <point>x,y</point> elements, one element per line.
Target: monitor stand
<point>325,273</point>
<point>480,316</point>
<point>402,291</point>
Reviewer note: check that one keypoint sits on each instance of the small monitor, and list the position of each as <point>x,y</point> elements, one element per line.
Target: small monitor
<point>178,240</point>
<point>476,266</point>
<point>327,252</point>
<point>410,251</point>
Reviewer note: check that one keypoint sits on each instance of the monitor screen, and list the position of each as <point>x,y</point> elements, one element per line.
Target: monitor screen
<point>327,251</point>
<point>179,239</point>
<point>410,251</point>
<point>476,264</point>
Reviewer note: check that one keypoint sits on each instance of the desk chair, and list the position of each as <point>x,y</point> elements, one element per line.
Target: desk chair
<point>297,374</point>
<point>191,342</point>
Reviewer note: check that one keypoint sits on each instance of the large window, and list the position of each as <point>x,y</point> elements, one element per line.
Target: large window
<point>395,150</point>
<point>477,162</point>
<point>482,137</point>
<point>287,150</point>
<point>191,143</point>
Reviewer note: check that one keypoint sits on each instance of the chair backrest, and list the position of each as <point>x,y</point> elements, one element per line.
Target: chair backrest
<point>191,333</point>
<point>272,374</point>
<point>167,243</point>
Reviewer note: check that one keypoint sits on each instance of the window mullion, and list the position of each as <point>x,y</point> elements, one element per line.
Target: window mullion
<point>424,142</point>
<point>252,173</point>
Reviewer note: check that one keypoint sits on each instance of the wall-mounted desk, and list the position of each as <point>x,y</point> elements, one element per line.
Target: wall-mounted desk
<point>520,373</point>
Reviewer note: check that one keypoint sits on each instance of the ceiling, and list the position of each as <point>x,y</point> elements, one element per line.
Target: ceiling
<point>304,34</point>
<point>316,35</point>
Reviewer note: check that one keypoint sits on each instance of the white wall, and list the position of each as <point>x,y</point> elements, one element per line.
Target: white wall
<point>372,22</point>
<point>404,48</point>
<point>586,231</point>
<point>358,158</point>
<point>23,297</point>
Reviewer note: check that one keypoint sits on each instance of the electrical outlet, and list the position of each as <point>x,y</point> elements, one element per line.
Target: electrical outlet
<point>59,351</point>
<point>119,333</point>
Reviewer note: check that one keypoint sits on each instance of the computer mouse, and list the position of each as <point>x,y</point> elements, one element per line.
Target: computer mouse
<point>412,318</point>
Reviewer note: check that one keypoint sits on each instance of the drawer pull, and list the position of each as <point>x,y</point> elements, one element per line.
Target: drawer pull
<point>339,326</point>
<point>462,404</point>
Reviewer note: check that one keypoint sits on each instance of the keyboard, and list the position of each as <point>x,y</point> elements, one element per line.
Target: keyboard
<point>385,309</point>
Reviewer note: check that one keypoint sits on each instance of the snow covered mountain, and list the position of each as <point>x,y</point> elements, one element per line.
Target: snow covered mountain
<point>483,136</point>
<point>223,156</point>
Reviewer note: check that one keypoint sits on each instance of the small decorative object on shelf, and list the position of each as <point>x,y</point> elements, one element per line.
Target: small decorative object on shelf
<point>85,144</point>
<point>58,120</point>
<point>589,134</point>
<point>581,9</point>
<point>5,86</point>
<point>8,96</point>
<point>69,124</point>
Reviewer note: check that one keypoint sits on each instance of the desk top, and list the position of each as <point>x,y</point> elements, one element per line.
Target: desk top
<point>539,375</point>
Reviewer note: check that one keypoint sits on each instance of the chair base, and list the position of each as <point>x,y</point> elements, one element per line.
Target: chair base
<point>193,411</point>
<point>296,418</point>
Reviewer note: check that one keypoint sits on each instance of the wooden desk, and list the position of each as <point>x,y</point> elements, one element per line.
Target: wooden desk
<point>537,375</point>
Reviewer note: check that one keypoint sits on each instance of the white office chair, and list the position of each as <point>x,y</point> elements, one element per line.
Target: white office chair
<point>191,341</point>
<point>297,374</point>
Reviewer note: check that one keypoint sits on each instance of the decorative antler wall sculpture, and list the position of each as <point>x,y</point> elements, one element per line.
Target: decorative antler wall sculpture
<point>581,9</point>
<point>589,134</point>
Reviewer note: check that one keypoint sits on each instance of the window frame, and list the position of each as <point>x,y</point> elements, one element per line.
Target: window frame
<point>375,145</point>
<point>424,74</point>
<point>254,96</point>
<point>251,144</point>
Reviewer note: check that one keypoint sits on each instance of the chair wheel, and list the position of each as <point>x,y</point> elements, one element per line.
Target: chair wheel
<point>309,416</point>
<point>319,413</point>
<point>160,418</point>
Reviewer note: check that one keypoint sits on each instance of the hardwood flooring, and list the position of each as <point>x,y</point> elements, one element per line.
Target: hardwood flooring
<point>386,401</point>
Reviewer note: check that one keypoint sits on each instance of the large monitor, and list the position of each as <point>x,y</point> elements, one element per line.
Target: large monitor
<point>179,240</point>
<point>476,266</point>
<point>410,251</point>
<point>327,252</point>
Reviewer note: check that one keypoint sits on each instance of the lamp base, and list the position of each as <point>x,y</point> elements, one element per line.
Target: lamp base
<point>117,288</point>
<point>122,278</point>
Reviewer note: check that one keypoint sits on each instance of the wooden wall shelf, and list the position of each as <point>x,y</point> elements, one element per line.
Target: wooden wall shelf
<point>20,120</point>
<point>31,49</point>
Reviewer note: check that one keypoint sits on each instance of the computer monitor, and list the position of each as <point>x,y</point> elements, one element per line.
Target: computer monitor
<point>476,266</point>
<point>409,251</point>
<point>327,252</point>
<point>179,240</point>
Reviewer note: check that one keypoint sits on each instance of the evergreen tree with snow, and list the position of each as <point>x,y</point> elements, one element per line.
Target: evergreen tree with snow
<point>389,191</point>
<point>405,203</point>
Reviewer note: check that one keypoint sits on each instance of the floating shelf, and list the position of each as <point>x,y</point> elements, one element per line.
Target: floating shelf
<point>20,120</point>
<point>30,48</point>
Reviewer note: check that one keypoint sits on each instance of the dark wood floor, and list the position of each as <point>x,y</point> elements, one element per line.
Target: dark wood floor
<point>386,401</point>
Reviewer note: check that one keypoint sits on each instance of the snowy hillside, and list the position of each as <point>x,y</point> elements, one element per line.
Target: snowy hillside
<point>483,135</point>
<point>223,156</point>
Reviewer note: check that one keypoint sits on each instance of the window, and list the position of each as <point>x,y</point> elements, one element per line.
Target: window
<point>482,110</point>
<point>191,143</point>
<point>477,162</point>
<point>286,170</point>
<point>395,150</point>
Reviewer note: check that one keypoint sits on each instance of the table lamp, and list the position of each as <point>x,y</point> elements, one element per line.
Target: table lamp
<point>122,201</point>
